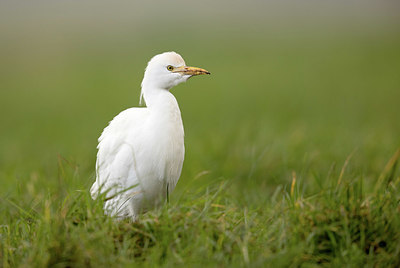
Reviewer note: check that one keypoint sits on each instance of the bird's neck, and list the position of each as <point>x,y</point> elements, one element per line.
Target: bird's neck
<point>158,98</point>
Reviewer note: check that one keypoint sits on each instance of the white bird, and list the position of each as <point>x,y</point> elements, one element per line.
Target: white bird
<point>141,151</point>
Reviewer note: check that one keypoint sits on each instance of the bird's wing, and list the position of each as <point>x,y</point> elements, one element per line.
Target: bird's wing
<point>115,165</point>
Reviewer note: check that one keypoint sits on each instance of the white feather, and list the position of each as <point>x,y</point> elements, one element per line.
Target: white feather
<point>141,152</point>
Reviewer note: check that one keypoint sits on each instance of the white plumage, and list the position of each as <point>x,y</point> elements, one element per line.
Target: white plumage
<point>141,152</point>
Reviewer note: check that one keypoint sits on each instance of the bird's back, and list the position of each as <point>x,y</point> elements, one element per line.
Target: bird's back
<point>115,165</point>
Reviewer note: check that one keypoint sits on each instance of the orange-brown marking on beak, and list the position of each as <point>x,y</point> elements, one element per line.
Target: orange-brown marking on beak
<point>190,70</point>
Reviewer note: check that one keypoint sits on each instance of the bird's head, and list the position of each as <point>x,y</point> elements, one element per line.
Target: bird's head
<point>168,69</point>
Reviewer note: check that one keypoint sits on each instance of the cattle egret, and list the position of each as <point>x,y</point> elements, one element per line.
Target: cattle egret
<point>141,151</point>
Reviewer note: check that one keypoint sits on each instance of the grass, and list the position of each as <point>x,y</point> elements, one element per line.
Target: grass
<point>343,223</point>
<point>292,154</point>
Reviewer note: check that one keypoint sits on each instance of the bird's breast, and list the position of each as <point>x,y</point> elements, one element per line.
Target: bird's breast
<point>172,143</point>
<point>164,153</point>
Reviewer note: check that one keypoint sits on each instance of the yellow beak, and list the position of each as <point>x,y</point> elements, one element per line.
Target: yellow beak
<point>190,70</point>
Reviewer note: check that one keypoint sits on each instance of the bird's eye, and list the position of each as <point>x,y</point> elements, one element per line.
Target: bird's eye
<point>170,67</point>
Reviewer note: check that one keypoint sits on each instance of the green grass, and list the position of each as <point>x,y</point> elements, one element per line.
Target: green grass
<point>342,223</point>
<point>292,153</point>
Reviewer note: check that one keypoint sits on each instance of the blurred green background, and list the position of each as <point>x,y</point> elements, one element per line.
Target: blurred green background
<point>294,86</point>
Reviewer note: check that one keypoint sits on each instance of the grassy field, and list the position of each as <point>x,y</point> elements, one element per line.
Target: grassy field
<point>292,150</point>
